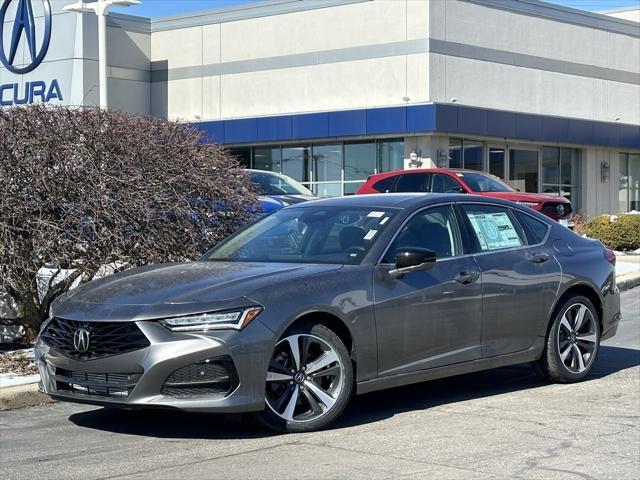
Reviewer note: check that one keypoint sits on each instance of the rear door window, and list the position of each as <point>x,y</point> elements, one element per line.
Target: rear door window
<point>414,182</point>
<point>445,184</point>
<point>494,227</point>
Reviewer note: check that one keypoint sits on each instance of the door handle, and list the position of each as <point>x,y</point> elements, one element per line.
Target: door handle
<point>466,277</point>
<point>539,258</point>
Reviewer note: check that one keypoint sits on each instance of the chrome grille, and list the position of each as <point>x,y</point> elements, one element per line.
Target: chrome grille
<point>96,384</point>
<point>106,338</point>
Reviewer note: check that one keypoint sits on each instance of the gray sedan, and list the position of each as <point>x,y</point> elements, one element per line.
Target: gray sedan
<point>298,311</point>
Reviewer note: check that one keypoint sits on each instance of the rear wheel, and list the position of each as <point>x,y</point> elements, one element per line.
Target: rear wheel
<point>573,342</point>
<point>309,380</point>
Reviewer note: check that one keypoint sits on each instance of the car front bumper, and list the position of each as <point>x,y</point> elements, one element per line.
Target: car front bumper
<point>136,379</point>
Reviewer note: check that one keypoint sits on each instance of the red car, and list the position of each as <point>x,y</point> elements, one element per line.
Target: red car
<point>444,180</point>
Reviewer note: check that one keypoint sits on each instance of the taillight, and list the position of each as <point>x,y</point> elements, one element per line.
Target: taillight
<point>610,256</point>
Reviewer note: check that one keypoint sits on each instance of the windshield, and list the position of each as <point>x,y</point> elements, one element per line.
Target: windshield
<point>479,182</point>
<point>274,184</point>
<point>336,235</point>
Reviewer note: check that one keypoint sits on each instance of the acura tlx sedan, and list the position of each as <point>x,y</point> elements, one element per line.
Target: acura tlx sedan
<point>295,313</point>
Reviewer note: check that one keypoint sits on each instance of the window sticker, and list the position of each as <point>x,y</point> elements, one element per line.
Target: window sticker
<point>494,230</point>
<point>370,234</point>
<point>384,220</point>
<point>375,214</point>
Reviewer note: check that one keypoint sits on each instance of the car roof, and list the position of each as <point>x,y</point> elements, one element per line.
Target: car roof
<point>397,200</point>
<point>393,173</point>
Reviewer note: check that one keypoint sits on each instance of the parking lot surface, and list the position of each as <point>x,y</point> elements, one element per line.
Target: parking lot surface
<point>503,423</point>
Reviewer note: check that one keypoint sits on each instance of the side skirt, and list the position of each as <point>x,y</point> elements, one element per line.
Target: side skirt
<point>380,383</point>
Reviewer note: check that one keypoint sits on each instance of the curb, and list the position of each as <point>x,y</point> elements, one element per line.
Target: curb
<point>22,396</point>
<point>628,281</point>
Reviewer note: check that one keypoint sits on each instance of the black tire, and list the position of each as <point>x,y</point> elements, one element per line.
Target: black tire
<point>562,340</point>
<point>275,421</point>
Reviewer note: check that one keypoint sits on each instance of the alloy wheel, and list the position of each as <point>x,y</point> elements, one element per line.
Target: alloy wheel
<point>577,338</point>
<point>304,379</point>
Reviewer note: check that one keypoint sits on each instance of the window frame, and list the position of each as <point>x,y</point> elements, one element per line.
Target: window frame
<point>459,240</point>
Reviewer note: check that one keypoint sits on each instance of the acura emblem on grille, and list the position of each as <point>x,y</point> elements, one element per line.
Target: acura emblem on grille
<point>81,340</point>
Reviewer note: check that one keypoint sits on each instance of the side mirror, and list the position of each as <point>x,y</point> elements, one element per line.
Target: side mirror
<point>412,259</point>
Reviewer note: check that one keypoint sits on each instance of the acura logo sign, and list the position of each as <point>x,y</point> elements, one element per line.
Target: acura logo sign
<point>81,340</point>
<point>35,36</point>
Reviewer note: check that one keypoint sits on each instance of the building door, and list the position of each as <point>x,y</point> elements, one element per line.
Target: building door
<point>497,161</point>
<point>524,169</point>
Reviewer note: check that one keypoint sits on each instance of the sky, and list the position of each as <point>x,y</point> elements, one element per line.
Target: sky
<point>161,8</point>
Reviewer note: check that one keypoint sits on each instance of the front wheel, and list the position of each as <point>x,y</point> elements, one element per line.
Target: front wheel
<point>309,380</point>
<point>573,342</point>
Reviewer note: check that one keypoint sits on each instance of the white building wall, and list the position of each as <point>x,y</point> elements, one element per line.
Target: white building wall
<point>346,79</point>
<point>555,48</point>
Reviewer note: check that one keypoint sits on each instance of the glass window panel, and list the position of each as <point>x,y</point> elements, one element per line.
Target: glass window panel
<point>267,159</point>
<point>359,160</point>
<point>523,170</point>
<point>243,155</point>
<point>634,182</point>
<point>535,229</point>
<point>455,153</point>
<point>623,194</point>
<point>413,182</point>
<point>445,184</point>
<point>390,155</point>
<point>473,153</point>
<point>435,229</point>
<point>551,165</point>
<point>295,162</point>
<point>496,161</point>
<point>327,162</point>
<point>570,166</point>
<point>493,227</point>
<point>327,189</point>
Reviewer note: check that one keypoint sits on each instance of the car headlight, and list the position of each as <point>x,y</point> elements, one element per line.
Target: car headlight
<point>235,319</point>
<point>529,204</point>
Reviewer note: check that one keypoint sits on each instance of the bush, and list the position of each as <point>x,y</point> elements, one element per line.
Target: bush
<point>618,232</point>
<point>81,188</point>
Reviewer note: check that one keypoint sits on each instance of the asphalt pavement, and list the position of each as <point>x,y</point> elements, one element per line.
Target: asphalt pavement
<point>504,423</point>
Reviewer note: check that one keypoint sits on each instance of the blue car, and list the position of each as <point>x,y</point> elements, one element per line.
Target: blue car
<point>278,191</point>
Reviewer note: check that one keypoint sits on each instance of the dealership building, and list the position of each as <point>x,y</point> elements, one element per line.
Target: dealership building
<point>329,92</point>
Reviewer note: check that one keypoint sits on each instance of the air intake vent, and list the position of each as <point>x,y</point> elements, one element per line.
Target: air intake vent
<point>214,376</point>
<point>99,339</point>
<point>96,384</point>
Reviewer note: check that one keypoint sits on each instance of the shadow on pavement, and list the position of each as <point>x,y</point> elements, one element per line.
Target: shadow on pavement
<point>362,409</point>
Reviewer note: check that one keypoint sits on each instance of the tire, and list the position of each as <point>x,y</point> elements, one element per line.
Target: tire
<point>321,383</point>
<point>570,353</point>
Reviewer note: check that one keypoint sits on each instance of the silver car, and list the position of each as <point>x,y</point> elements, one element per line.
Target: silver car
<point>295,313</point>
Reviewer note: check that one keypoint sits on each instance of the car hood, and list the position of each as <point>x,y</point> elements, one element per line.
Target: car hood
<point>524,197</point>
<point>176,289</point>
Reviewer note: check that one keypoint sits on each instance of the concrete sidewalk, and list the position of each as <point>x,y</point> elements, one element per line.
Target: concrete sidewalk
<point>627,271</point>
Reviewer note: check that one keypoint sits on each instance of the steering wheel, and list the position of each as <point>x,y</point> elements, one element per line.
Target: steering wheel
<point>355,249</point>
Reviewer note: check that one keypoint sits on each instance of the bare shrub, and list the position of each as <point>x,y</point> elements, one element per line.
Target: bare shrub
<point>81,188</point>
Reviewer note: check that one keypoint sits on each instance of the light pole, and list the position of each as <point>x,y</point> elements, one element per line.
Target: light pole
<point>101,9</point>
